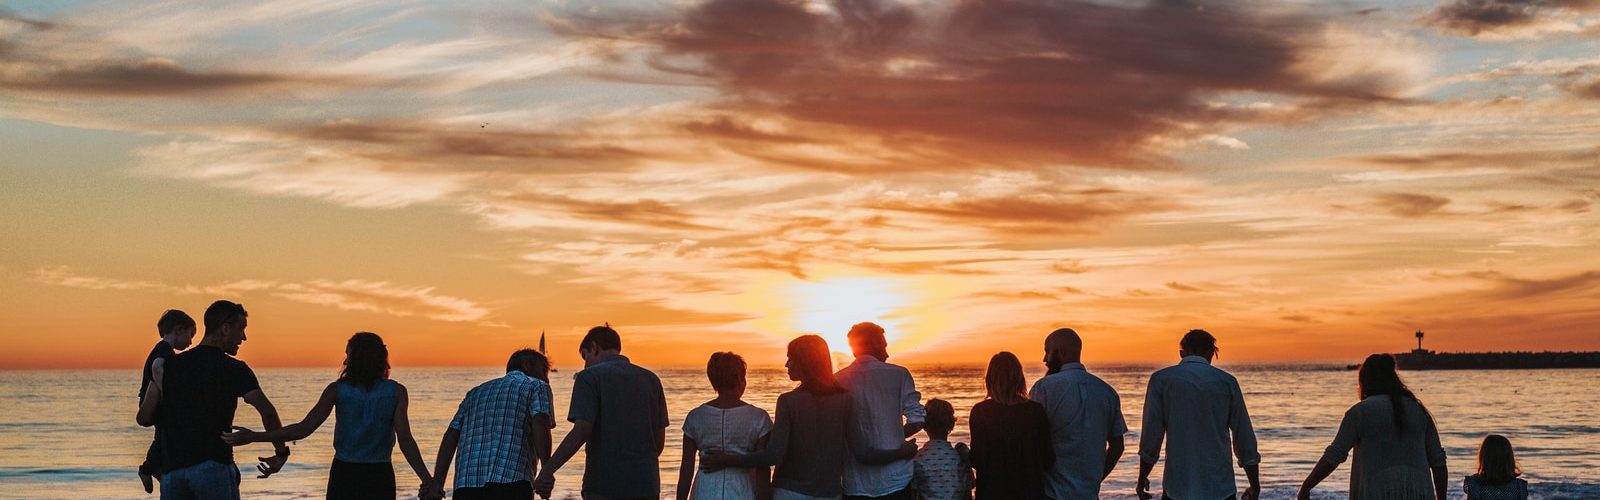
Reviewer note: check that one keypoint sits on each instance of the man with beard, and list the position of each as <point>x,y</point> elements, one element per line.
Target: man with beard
<point>1086,424</point>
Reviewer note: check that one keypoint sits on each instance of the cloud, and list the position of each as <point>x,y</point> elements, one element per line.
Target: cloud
<point>997,83</point>
<point>1511,288</point>
<point>1410,204</point>
<point>1028,211</point>
<point>1509,18</point>
<point>150,77</point>
<point>352,295</point>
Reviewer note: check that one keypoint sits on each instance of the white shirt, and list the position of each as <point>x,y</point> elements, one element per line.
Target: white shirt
<point>1085,413</point>
<point>733,431</point>
<point>883,399</point>
<point>1196,406</point>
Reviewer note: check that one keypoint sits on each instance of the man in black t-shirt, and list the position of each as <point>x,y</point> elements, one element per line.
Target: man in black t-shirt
<point>177,333</point>
<point>197,393</point>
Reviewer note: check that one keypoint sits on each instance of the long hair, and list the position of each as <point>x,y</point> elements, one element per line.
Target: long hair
<point>810,354</point>
<point>1004,379</point>
<point>1497,463</point>
<point>366,360</point>
<point>1378,376</point>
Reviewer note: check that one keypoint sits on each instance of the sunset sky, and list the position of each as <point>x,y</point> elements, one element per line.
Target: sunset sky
<point>1310,181</point>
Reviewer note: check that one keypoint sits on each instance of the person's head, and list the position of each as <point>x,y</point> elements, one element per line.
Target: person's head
<point>1004,380</point>
<point>726,372</point>
<point>1198,343</point>
<point>366,360</point>
<point>1497,463</point>
<point>1379,377</point>
<point>866,339</point>
<point>1061,347</point>
<point>600,341</point>
<point>940,420</point>
<point>811,364</point>
<point>531,363</point>
<point>225,324</point>
<point>177,328</point>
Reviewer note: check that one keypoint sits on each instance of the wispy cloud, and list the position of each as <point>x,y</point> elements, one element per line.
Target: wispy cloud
<point>352,295</point>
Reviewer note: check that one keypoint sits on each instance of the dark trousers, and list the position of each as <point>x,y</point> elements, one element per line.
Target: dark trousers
<point>353,481</point>
<point>152,457</point>
<point>1230,497</point>
<point>905,494</point>
<point>520,490</point>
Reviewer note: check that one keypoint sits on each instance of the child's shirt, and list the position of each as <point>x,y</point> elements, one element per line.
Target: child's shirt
<point>942,473</point>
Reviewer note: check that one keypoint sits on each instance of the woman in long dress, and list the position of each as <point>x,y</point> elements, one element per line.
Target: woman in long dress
<point>1397,450</point>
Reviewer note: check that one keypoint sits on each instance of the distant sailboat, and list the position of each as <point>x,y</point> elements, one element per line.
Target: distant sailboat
<point>546,355</point>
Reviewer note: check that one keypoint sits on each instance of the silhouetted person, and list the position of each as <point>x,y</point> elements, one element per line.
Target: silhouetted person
<point>197,393</point>
<point>726,424</point>
<point>372,414</point>
<point>499,434</point>
<point>1086,424</point>
<point>887,409</point>
<point>1200,411</point>
<point>177,331</point>
<point>943,472</point>
<point>811,437</point>
<point>1011,446</point>
<point>1497,473</point>
<point>1395,441</point>
<point>619,417</point>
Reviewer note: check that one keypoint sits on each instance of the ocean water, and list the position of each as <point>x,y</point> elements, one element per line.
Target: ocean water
<point>70,434</point>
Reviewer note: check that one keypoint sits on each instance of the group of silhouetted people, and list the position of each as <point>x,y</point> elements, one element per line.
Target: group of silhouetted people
<point>844,434</point>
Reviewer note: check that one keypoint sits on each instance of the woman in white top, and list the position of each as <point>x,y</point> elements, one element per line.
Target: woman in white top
<point>1398,455</point>
<point>725,425</point>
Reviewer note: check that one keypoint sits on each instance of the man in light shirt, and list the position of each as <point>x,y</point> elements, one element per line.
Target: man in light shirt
<point>887,410</point>
<point>1086,424</point>
<point>1200,409</point>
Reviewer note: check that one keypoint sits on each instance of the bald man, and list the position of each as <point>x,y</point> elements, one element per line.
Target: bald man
<point>1086,424</point>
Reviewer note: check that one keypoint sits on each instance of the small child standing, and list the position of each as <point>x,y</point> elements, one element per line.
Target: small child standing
<point>1497,472</point>
<point>725,425</point>
<point>177,330</point>
<point>942,471</point>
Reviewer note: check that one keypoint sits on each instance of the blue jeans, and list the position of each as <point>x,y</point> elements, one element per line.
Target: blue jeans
<point>208,480</point>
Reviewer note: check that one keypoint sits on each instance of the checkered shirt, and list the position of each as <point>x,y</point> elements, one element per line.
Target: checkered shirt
<point>491,420</point>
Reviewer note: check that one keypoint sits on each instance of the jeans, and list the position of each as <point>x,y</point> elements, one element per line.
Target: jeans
<point>208,480</point>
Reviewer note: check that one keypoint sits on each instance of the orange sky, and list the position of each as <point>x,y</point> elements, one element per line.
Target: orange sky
<point>1308,182</point>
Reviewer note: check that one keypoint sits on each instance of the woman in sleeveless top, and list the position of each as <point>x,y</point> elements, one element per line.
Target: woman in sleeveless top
<point>1397,450</point>
<point>371,412</point>
<point>1497,472</point>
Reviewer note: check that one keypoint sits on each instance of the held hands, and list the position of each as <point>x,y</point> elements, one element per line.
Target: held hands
<point>1252,493</point>
<point>1304,494</point>
<point>908,449</point>
<point>544,484</point>
<point>431,490</point>
<point>240,436</point>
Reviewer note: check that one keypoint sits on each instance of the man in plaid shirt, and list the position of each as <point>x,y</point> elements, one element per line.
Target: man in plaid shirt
<point>494,427</point>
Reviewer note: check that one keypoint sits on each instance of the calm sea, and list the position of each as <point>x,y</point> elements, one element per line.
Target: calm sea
<point>70,434</point>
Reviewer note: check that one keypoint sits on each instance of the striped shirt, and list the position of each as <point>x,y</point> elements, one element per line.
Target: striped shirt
<point>883,399</point>
<point>491,420</point>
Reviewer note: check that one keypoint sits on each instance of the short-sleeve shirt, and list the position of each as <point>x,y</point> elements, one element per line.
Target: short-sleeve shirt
<point>199,393</point>
<point>1477,489</point>
<point>1085,413</point>
<point>733,431</point>
<point>627,407</point>
<point>941,474</point>
<point>162,350</point>
<point>491,421</point>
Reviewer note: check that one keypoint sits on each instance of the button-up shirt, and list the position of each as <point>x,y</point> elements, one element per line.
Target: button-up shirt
<point>1197,406</point>
<point>1085,413</point>
<point>883,399</point>
<point>491,420</point>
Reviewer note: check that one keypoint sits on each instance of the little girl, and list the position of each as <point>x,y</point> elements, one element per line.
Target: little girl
<point>1497,472</point>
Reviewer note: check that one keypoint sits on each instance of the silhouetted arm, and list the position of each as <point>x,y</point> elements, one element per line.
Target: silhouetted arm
<point>293,432</point>
<point>1114,449</point>
<point>686,467</point>
<point>152,395</point>
<point>402,434</point>
<point>1346,438</point>
<point>1154,430</point>
<point>861,444</point>
<point>447,453</point>
<point>911,407</point>
<point>269,421</point>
